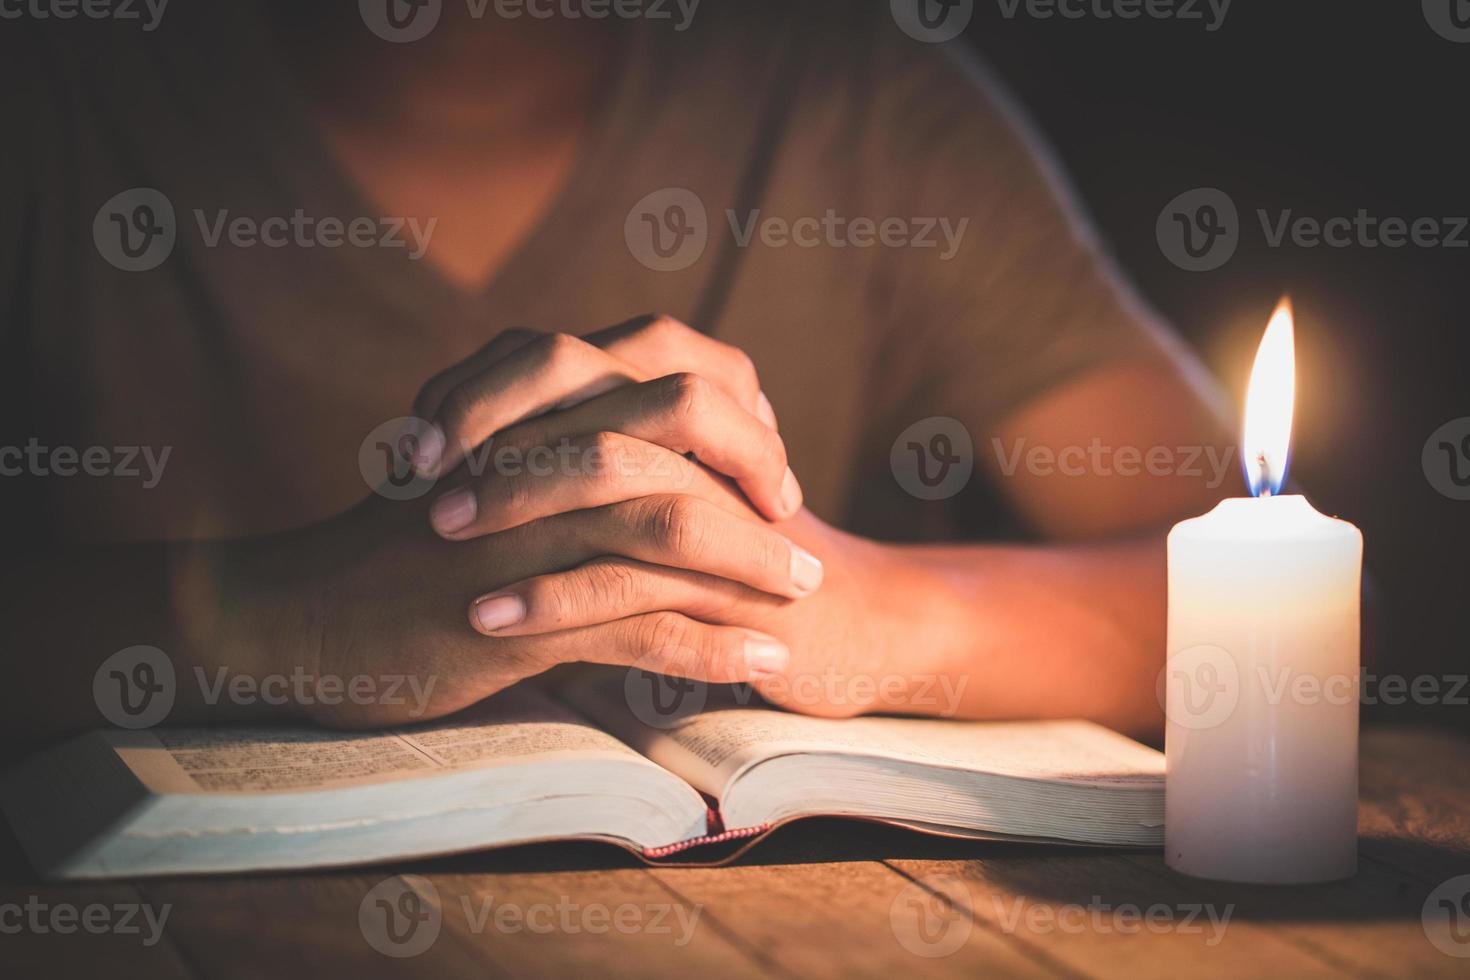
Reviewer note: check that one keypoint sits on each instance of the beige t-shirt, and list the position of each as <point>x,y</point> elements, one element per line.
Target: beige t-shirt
<point>876,235</point>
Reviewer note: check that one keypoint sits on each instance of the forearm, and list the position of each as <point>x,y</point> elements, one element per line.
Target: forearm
<point>68,611</point>
<point>1042,631</point>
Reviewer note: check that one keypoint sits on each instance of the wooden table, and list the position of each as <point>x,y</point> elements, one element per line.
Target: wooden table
<point>821,899</point>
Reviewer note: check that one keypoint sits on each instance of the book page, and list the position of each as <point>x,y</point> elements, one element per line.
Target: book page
<point>1050,750</point>
<point>516,726</point>
<point>710,747</point>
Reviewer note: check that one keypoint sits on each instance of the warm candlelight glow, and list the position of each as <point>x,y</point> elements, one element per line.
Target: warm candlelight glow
<point>1269,401</point>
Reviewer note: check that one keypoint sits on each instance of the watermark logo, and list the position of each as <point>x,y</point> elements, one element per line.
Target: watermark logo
<point>1211,13</point>
<point>667,230</point>
<point>401,916</point>
<point>1199,686</point>
<point>932,916</point>
<point>1210,464</point>
<point>1199,230</point>
<point>833,230</point>
<point>934,458</point>
<point>932,21</point>
<point>1450,19</point>
<point>387,456</point>
<point>135,230</point>
<point>36,459</point>
<point>1446,917</point>
<point>135,688</point>
<point>149,12</point>
<point>1446,459</point>
<point>400,21</point>
<point>39,918</point>
<point>661,701</point>
<point>1105,918</point>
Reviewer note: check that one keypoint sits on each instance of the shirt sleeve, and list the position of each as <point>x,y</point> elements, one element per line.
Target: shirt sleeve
<point>1016,296</point>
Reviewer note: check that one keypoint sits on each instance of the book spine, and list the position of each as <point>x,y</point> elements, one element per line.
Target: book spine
<point>717,838</point>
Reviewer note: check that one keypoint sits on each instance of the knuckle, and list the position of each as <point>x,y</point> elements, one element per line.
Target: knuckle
<point>662,634</point>
<point>552,599</point>
<point>604,458</point>
<point>678,526</point>
<point>504,495</point>
<point>555,350</point>
<point>686,395</point>
<point>664,327</point>
<point>774,555</point>
<point>615,585</point>
<point>742,365</point>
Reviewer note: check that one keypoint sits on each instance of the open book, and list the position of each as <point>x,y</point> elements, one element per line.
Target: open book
<point>528,766</point>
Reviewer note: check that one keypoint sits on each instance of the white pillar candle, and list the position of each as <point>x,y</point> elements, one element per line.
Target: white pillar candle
<point>1261,682</point>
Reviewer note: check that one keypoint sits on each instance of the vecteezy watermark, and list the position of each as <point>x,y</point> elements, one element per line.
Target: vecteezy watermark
<point>1210,13</point>
<point>39,917</point>
<point>138,686</point>
<point>387,456</point>
<point>386,459</point>
<point>668,230</point>
<point>662,701</point>
<point>402,21</point>
<point>149,13</point>
<point>34,459</point>
<point>1446,459</point>
<point>932,21</point>
<point>1200,230</point>
<point>1204,919</point>
<point>308,690</point>
<point>934,458</point>
<point>137,229</point>
<point>403,915</point>
<point>303,230</point>
<point>1200,687</point>
<point>135,687</point>
<point>932,916</point>
<point>1446,917</point>
<point>833,230</point>
<point>1210,463</point>
<point>1450,19</point>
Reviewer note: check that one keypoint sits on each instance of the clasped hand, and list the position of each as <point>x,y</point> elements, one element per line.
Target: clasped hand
<point>665,536</point>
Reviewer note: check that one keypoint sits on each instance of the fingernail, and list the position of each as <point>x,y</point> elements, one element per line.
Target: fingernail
<point>429,451</point>
<point>790,493</point>
<point>806,570</point>
<point>765,656</point>
<point>496,612</point>
<point>764,411</point>
<point>453,512</point>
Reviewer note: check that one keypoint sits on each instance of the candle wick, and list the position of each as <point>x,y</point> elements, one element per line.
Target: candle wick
<point>1265,470</point>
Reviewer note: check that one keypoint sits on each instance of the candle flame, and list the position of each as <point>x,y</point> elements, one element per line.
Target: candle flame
<point>1269,401</point>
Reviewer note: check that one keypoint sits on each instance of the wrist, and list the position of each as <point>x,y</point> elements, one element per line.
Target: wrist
<point>244,626</point>
<point>923,634</point>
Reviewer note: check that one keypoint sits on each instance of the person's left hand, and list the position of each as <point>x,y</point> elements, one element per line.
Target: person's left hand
<point>844,638</point>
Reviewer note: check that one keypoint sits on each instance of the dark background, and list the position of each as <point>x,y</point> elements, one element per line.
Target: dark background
<point>1323,108</point>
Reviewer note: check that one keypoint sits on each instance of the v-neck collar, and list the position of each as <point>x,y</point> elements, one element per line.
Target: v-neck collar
<point>314,178</point>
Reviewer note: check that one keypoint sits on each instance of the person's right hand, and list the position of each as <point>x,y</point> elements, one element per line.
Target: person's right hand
<point>378,593</point>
